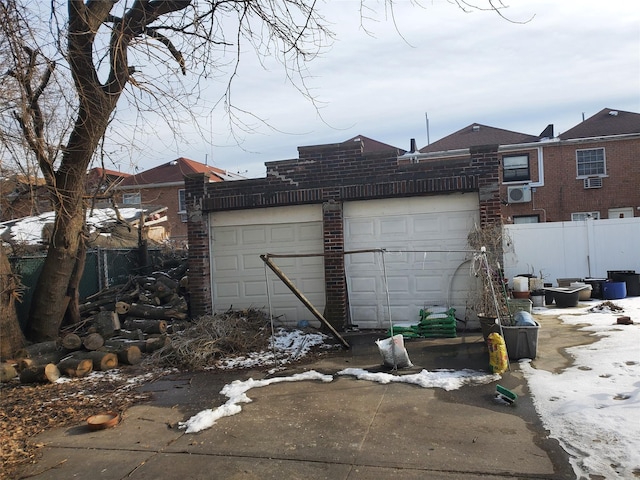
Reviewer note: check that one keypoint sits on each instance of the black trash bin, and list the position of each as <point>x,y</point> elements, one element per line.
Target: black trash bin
<point>630,277</point>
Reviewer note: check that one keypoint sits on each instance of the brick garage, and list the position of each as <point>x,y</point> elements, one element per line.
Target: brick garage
<point>330,175</point>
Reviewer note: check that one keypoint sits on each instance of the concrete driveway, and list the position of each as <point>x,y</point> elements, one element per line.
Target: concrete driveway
<point>346,429</point>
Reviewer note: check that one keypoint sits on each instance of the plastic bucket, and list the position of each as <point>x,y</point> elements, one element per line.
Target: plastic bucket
<point>521,284</point>
<point>614,290</point>
<point>538,300</point>
<point>630,277</point>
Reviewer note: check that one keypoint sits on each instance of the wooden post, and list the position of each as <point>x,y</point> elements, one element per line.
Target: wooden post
<point>280,274</point>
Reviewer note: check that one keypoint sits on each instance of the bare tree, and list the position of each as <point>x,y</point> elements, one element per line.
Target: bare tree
<point>106,49</point>
<point>98,42</point>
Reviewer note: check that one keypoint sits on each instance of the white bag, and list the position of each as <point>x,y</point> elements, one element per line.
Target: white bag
<point>394,355</point>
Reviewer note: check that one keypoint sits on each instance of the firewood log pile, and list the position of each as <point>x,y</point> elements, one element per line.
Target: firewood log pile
<point>119,326</point>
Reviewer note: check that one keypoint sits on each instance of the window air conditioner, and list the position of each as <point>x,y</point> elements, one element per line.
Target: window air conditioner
<point>593,182</point>
<point>519,194</point>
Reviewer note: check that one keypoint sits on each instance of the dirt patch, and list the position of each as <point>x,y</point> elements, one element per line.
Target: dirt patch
<point>28,410</point>
<point>554,339</point>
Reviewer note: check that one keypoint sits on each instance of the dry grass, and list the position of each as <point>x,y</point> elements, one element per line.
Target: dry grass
<point>212,337</point>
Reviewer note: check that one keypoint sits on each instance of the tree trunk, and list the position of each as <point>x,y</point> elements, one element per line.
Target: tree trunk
<point>11,336</point>
<point>51,299</point>
<point>72,315</point>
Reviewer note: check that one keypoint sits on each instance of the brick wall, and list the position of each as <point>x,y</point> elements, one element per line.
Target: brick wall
<point>564,194</point>
<point>332,174</point>
<point>200,300</point>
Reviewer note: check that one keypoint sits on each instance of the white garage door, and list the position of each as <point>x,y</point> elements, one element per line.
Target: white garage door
<point>238,239</point>
<point>425,239</point>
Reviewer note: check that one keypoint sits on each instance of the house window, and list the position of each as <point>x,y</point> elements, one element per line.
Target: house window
<point>516,168</point>
<point>526,219</point>
<point>590,162</point>
<point>581,216</point>
<point>182,205</point>
<point>131,198</point>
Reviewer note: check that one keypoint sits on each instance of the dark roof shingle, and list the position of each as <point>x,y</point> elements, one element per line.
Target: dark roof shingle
<point>477,134</point>
<point>606,122</point>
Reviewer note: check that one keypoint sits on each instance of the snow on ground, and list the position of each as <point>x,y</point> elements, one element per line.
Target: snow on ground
<point>286,346</point>
<point>592,408</point>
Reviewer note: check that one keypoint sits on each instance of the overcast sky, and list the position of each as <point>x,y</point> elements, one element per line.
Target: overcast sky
<point>553,63</point>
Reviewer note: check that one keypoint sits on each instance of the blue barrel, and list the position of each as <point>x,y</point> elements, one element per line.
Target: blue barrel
<point>614,290</point>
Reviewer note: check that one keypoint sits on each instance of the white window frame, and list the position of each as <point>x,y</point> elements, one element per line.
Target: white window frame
<point>133,198</point>
<point>590,173</point>
<point>582,216</point>
<point>505,168</point>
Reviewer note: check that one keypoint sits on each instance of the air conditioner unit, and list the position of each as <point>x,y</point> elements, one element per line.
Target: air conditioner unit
<point>593,182</point>
<point>519,194</point>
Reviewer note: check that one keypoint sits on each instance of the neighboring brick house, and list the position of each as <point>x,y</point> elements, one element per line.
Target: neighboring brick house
<point>22,196</point>
<point>353,223</point>
<point>591,169</point>
<point>164,185</point>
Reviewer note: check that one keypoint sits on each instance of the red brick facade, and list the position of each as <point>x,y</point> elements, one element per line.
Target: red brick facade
<point>563,191</point>
<point>330,175</point>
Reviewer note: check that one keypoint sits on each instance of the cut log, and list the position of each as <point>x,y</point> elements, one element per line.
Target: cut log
<point>127,354</point>
<point>45,358</point>
<point>7,372</point>
<point>122,308</point>
<point>41,374</point>
<point>129,334</point>
<point>102,361</point>
<point>156,343</point>
<point>25,363</point>
<point>159,313</point>
<point>106,323</point>
<point>115,344</point>
<point>147,326</point>
<point>71,342</point>
<point>38,349</point>
<point>93,341</point>
<point>75,367</point>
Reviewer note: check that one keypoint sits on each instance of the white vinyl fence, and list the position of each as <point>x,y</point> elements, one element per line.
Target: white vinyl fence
<point>582,249</point>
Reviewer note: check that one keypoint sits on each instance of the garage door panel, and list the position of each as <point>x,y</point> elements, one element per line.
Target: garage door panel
<point>282,233</point>
<point>226,263</point>
<point>238,240</point>
<point>310,233</point>
<point>406,228</point>
<point>395,226</point>
<point>254,289</point>
<point>228,290</point>
<point>359,227</point>
<point>226,236</point>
